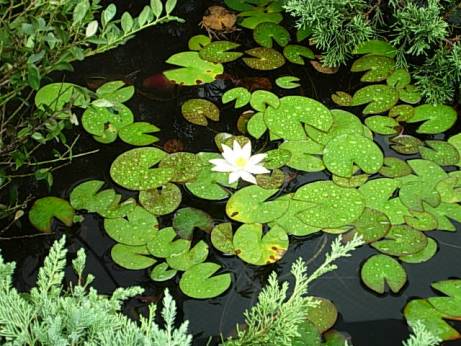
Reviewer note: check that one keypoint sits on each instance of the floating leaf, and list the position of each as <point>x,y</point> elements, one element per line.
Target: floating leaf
<point>56,95</point>
<point>323,315</point>
<point>380,98</point>
<point>435,118</point>
<point>353,181</point>
<point>161,201</point>
<point>186,260</point>
<point>186,166</point>
<point>265,33</point>
<point>400,78</point>
<point>243,121</point>
<point>379,67</point>
<point>423,255</point>
<point>440,152</point>
<point>132,169</point>
<point>332,206</point>
<point>394,167</point>
<point>287,82</point>
<point>196,111</point>
<point>197,42</point>
<point>187,219</point>
<point>372,225</point>
<point>218,52</point>
<point>402,112</point>
<point>87,196</point>
<point>421,220</point>
<point>406,144</point>
<point>450,305</point>
<point>295,53</point>
<point>261,99</point>
<point>256,125</point>
<point>264,59</point>
<point>222,236</point>
<point>342,152</point>
<point>138,133</point>
<point>444,213</point>
<point>401,240</point>
<point>241,96</point>
<point>253,18</point>
<point>276,158</point>
<point>255,248</point>
<point>381,269</point>
<point>410,94</point>
<point>382,125</point>
<point>115,92</point>
<point>162,272</point>
<point>194,70</point>
<point>248,205</point>
<point>45,209</point>
<point>308,335</point>
<point>197,282</point>
<point>132,257</point>
<point>164,245</point>
<point>378,47</point>
<point>274,180</point>
<point>100,121</point>
<point>449,188</point>
<point>303,155</point>
<point>342,98</point>
<point>241,5</point>
<point>118,209</point>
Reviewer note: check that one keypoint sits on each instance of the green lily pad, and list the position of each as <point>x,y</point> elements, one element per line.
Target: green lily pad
<point>138,228</point>
<point>303,33</point>
<point>99,121</point>
<point>87,196</point>
<point>162,272</point>
<point>196,111</point>
<point>332,206</point>
<point>115,92</point>
<point>421,220</point>
<point>248,205</point>
<point>218,52</point>
<point>241,96</point>
<point>222,236</point>
<point>198,282</point>
<point>187,219</point>
<point>323,315</point>
<point>45,209</point>
<point>295,53</point>
<point>197,42</point>
<point>402,112</point>
<point>210,185</point>
<point>294,111</point>
<point>379,270</point>
<point>378,47</point>
<point>186,166</point>
<point>378,67</point>
<point>353,181</point>
<point>264,59</point>
<point>56,95</point>
<point>132,169</point>
<point>194,70</point>
<point>410,94</point>
<point>266,33</point>
<point>444,213</point>
<point>256,125</point>
<point>335,338</point>
<point>304,155</point>
<point>117,208</point>
<point>161,201</point>
<point>255,248</point>
<point>401,240</point>
<point>435,118</point>
<point>138,133</point>
<point>423,255</point>
<point>400,78</point>
<point>241,5</point>
<point>394,167</point>
<point>382,125</point>
<point>440,152</point>
<point>186,260</point>
<point>109,136</point>
<point>450,305</point>
<point>261,99</point>
<point>406,144</point>
<point>287,82</point>
<point>243,121</point>
<point>220,138</point>
<point>164,245</point>
<point>379,97</point>
<point>242,140</point>
<point>274,180</point>
<point>372,225</point>
<point>276,158</point>
<point>132,257</point>
<point>342,98</point>
<point>253,18</point>
<point>450,188</point>
<point>342,152</point>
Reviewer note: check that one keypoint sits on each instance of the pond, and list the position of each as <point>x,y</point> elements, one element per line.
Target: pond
<point>367,317</point>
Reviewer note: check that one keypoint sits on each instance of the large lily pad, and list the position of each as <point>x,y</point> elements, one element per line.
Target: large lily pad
<point>197,111</point>
<point>379,67</point>
<point>276,158</point>
<point>265,33</point>
<point>379,97</point>
<point>381,269</point>
<point>132,169</point>
<point>161,201</point>
<point>139,133</point>
<point>440,152</point>
<point>45,209</point>
<point>88,196</point>
<point>444,213</point>
<point>295,53</point>
<point>132,257</point>
<point>410,94</point>
<point>394,167</point>
<point>198,282</point>
<point>218,52</point>
<point>186,260</point>
<point>401,240</point>
<point>450,305</point>
<point>164,245</point>
<point>264,59</point>
<point>187,219</point>
<point>435,118</point>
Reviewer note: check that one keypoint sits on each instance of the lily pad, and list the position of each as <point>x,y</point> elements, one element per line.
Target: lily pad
<point>440,152</point>
<point>288,82</point>
<point>196,111</point>
<point>164,245</point>
<point>186,260</point>
<point>382,125</point>
<point>256,126</point>
<point>421,220</point>
<point>308,335</point>
<point>162,272</point>
<point>222,236</point>
<point>242,5</point>
<point>197,42</point>
<point>400,78</point>
<point>198,282</point>
<point>372,225</point>
<point>410,94</point>
<point>132,169</point>
<point>255,248</point>
<point>249,205</point>
<point>253,18</point>
<point>266,33</point>
<point>304,155</point>
<point>218,52</point>
<point>450,305</point>
<point>332,206</point>
<point>99,121</point>
<point>435,118</point>
<point>402,112</point>
<point>450,188</point>
<point>241,96</point>
<point>115,92</point>
<point>401,240</point>
<point>193,71</point>
<point>394,167</point>
<point>379,97</point>
<point>444,213</point>
<point>138,133</point>
<point>264,59</point>
<point>379,270</point>
<point>45,209</point>
<point>117,208</point>
<point>56,95</point>
<point>132,257</point>
<point>276,158</point>
<point>353,181</point>
<point>295,53</point>
<point>378,67</point>
<point>161,201</point>
<point>423,255</point>
<point>378,47</point>
<point>274,180</point>
<point>261,99</point>
<point>187,219</point>
<point>323,315</point>
<point>342,98</point>
<point>342,152</point>
<point>186,166</point>
<point>87,196</point>
<point>406,144</point>
<point>138,228</point>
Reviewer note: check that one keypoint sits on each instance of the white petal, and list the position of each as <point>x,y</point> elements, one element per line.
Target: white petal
<point>255,159</point>
<point>221,165</point>
<point>247,177</point>
<point>237,148</point>
<point>228,154</point>
<point>234,176</point>
<point>257,169</point>
<point>246,150</point>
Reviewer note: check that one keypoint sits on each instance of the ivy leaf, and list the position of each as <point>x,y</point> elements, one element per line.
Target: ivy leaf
<point>377,47</point>
<point>401,240</point>
<point>264,59</point>
<point>164,245</point>
<point>196,111</point>
<point>435,118</point>
<point>380,98</point>
<point>295,53</point>
<point>379,67</point>
<point>241,96</point>
<point>265,33</point>
<point>132,257</point>
<point>381,269</point>
<point>138,133</point>
<point>197,282</point>
<point>218,52</point>
<point>161,201</point>
<point>45,209</point>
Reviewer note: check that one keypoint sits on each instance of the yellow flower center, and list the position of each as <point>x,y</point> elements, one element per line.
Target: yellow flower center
<point>241,162</point>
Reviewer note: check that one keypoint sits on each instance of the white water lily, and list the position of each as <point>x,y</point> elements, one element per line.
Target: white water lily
<point>240,163</point>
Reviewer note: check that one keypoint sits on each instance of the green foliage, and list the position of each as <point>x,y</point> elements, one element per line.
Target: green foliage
<point>421,336</point>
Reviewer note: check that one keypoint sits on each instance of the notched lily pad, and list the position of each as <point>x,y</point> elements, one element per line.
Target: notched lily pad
<point>276,158</point>
<point>138,133</point>
<point>197,42</point>
<point>101,122</point>
<point>378,67</point>
<point>342,98</point>
<point>410,94</point>
<point>440,152</point>
<point>241,96</point>
<point>265,33</point>
<point>132,257</point>
<point>218,52</point>
<point>161,201</point>
<point>372,225</point>
<point>45,209</point>
<point>402,112</point>
<point>261,99</point>
<point>162,272</point>
<point>435,118</point>
<point>115,92</point>
<point>186,260</point>
<point>423,255</point>
<point>394,167</point>
<point>88,196</point>
<point>256,126</point>
<point>378,47</point>
<point>406,144</point>
<point>264,59</point>
<point>382,125</point>
<point>379,97</point>
<point>198,282</point>
<point>187,219</point>
<point>295,53</point>
<point>164,244</point>
<point>288,82</point>
<point>380,270</point>
<point>401,240</point>
<point>186,166</point>
<point>400,78</point>
<point>197,111</point>
<point>222,236</point>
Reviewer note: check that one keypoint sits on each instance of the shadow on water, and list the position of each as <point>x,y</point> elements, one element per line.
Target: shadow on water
<point>368,318</point>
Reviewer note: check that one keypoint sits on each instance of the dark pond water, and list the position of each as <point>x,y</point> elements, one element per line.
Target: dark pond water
<point>369,319</point>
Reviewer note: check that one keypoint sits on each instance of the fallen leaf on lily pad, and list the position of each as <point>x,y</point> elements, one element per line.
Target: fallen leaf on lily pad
<point>264,59</point>
<point>185,220</point>
<point>45,209</point>
<point>162,200</point>
<point>218,52</point>
<point>198,281</point>
<point>295,53</point>
<point>132,257</point>
<point>196,111</point>
<point>379,270</point>
<point>138,133</point>
<point>265,33</point>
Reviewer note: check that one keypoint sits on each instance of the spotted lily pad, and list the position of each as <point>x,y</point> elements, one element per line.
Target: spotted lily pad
<point>382,125</point>
<point>353,181</point>
<point>342,98</point>
<point>406,144</point>
<point>186,166</point>
<point>435,118</point>
<point>421,220</point>
<point>332,206</point>
<point>450,188</point>
<point>423,255</point>
<point>198,282</point>
<point>256,125</point>
<point>222,237</point>
<point>264,59</point>
<point>196,111</point>
<point>45,209</point>
<point>138,228</point>
<point>194,70</point>
<point>187,219</point>
<point>115,92</point>
<point>99,121</point>
<point>400,78</point>
<point>117,208</point>
<point>410,94</point>
<point>444,213</point>
<point>273,180</point>
<point>343,151</point>
<point>88,197</point>
<point>241,96</point>
<point>265,33</point>
<point>164,245</point>
<point>255,17</point>
<point>381,269</point>
<point>288,82</point>
<point>372,225</point>
<point>378,47</point>
<point>161,201</point>
<point>379,97</point>
<point>295,53</point>
<point>162,272</point>
<point>248,205</point>
<point>440,152</point>
<point>394,167</point>
<point>261,99</point>
<point>132,257</point>
<point>56,95</point>
<point>304,155</point>
<point>378,67</point>
<point>276,158</point>
<point>186,260</point>
<point>132,169</point>
<point>197,42</point>
<point>401,240</point>
<point>218,52</point>
<point>323,315</point>
<point>450,305</point>
<point>402,112</point>
<point>138,133</point>
<point>255,248</point>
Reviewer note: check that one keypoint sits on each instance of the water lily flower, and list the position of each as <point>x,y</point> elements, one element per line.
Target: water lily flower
<point>240,163</point>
